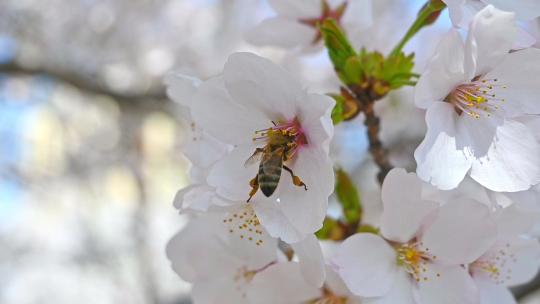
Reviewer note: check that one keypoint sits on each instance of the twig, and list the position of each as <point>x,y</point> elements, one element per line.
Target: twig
<point>366,99</point>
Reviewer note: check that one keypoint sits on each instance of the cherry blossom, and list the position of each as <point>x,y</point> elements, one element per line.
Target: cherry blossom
<point>251,103</point>
<point>421,248</point>
<point>474,94</point>
<point>295,25</point>
<point>512,260</point>
<point>262,151</point>
<point>218,263</point>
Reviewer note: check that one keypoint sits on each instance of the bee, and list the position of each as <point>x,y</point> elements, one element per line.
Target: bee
<point>280,147</point>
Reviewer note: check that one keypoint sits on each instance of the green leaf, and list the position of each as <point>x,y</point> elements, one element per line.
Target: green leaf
<point>339,47</point>
<point>353,70</point>
<point>348,197</point>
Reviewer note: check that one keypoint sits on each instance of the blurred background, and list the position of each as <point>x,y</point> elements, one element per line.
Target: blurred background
<point>90,146</point>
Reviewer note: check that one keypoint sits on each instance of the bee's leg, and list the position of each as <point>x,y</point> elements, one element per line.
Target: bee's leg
<point>295,179</point>
<point>254,183</point>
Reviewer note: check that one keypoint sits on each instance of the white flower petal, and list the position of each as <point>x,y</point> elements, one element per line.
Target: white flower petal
<point>367,265</point>
<point>297,8</point>
<point>218,290</point>
<point>517,82</point>
<point>523,40</point>
<point>520,217</point>
<point>439,160</point>
<point>491,293</point>
<point>197,253</point>
<point>463,11</point>
<point>248,240</point>
<point>520,261</point>
<point>447,285</point>
<point>262,86</point>
<point>524,9</point>
<point>404,210</point>
<point>308,208</point>
<point>231,177</point>
<point>281,283</point>
<point>443,73</point>
<point>461,233</point>
<point>491,36</point>
<point>336,284</point>
<point>274,220</point>
<point>203,150</point>
<point>304,211</point>
<point>281,32</point>
<point>512,162</point>
<point>476,134</point>
<point>316,120</point>
<point>401,292</point>
<point>311,260</point>
<point>181,88</point>
<point>216,113</point>
<point>194,198</point>
<point>467,188</point>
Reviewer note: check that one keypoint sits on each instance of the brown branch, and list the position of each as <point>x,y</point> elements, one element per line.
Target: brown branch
<point>366,97</point>
<point>89,83</point>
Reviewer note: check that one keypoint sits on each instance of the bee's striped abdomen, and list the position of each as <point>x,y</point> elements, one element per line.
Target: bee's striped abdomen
<point>270,173</point>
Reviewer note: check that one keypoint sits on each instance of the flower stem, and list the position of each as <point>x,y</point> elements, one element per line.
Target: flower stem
<point>427,15</point>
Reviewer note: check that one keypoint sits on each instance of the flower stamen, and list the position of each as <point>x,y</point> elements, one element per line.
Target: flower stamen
<point>415,259</point>
<point>476,97</point>
<point>496,265</point>
<point>245,223</point>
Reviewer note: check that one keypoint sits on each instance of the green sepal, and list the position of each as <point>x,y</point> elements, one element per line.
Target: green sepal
<point>348,197</point>
<point>332,230</point>
<point>367,229</point>
<point>337,111</point>
<point>339,47</point>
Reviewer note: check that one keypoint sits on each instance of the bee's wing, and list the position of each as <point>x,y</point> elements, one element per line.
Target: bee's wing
<point>254,158</point>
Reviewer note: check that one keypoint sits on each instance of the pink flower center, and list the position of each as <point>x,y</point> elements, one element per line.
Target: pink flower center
<point>288,134</point>
<point>476,98</point>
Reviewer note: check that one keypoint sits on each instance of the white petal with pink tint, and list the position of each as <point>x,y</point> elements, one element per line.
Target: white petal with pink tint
<point>311,260</point>
<point>462,232</point>
<point>281,283</point>
<point>512,162</point>
<point>443,73</point>
<point>447,285</point>
<point>404,210</point>
<point>439,160</point>
<point>367,265</point>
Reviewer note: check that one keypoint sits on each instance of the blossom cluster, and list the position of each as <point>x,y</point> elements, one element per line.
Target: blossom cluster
<point>460,229</point>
